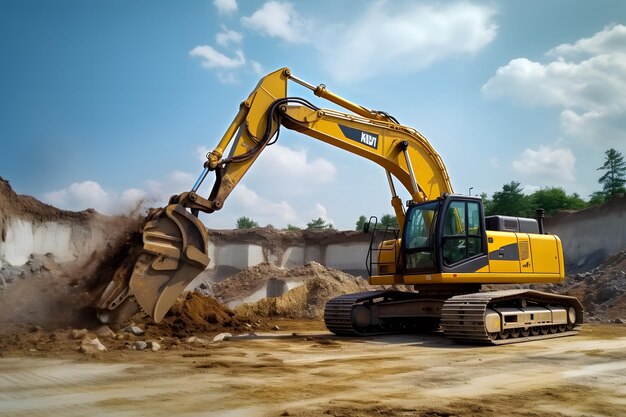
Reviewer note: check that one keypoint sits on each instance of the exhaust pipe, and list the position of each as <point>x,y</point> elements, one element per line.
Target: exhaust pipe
<point>540,217</point>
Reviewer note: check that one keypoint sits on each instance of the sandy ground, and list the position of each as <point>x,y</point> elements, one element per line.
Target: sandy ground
<point>313,373</point>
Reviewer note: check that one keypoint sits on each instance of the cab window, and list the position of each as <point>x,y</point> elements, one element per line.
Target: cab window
<point>462,234</point>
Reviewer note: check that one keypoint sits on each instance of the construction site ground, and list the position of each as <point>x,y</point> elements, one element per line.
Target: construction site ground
<point>302,370</point>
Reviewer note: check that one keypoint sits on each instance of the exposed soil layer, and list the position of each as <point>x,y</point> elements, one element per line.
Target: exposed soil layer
<point>30,208</point>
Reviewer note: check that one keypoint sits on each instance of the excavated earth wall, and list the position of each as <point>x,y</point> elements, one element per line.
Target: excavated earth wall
<point>231,251</point>
<point>30,228</point>
<point>589,236</point>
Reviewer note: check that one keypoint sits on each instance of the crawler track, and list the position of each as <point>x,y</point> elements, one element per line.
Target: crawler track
<point>463,317</point>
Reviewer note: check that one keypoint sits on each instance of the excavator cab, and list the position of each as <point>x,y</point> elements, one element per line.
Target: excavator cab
<point>445,235</point>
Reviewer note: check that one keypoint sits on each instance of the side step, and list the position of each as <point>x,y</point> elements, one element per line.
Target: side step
<point>510,316</point>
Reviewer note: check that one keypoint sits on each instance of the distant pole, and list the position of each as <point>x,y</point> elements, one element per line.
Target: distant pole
<point>470,191</point>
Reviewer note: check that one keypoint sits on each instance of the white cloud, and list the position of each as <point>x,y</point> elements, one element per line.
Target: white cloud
<point>227,36</point>
<point>225,6</point>
<point>257,68</point>
<point>80,196</point>
<point>227,78</point>
<point>547,165</point>
<point>296,172</point>
<point>201,152</point>
<point>611,38</point>
<point>210,58</point>
<point>586,80</point>
<point>279,20</point>
<point>392,38</point>
<point>246,202</point>
<point>319,210</point>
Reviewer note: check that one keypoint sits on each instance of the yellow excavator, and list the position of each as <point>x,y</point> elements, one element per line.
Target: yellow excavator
<point>445,246</point>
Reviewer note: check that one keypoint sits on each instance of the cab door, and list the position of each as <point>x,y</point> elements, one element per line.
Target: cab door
<point>462,234</point>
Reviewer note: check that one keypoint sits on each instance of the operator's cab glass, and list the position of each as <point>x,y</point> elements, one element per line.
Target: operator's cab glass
<point>447,235</point>
<point>419,237</point>
<point>462,234</point>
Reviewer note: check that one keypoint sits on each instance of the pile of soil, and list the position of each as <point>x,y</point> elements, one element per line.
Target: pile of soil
<point>243,283</point>
<point>195,314</point>
<point>320,284</point>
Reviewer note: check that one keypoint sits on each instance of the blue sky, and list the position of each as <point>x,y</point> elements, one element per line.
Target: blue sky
<point>107,103</point>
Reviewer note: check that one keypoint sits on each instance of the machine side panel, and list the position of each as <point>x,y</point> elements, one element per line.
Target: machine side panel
<point>503,252</point>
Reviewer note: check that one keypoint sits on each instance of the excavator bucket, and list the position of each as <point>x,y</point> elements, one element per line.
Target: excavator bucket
<point>174,252</point>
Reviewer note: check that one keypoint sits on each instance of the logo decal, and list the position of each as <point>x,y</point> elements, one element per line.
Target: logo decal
<point>366,138</point>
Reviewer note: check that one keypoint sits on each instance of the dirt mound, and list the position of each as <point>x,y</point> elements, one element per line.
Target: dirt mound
<point>243,283</point>
<point>320,284</point>
<point>195,314</point>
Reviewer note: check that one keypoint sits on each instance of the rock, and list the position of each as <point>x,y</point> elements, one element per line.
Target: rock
<point>581,261</point>
<point>137,331</point>
<point>140,345</point>
<point>222,336</point>
<point>34,329</point>
<point>619,321</point>
<point>275,327</point>
<point>92,347</point>
<point>194,339</point>
<point>607,293</point>
<point>105,331</point>
<point>79,334</point>
<point>154,346</point>
<point>285,413</point>
<point>248,325</point>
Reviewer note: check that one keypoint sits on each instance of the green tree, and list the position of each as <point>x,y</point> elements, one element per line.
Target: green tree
<point>389,220</point>
<point>292,227</point>
<point>576,202</point>
<point>597,198</point>
<point>360,223</point>
<point>511,201</point>
<point>487,204</point>
<point>614,178</point>
<point>553,199</point>
<point>319,224</point>
<point>246,223</point>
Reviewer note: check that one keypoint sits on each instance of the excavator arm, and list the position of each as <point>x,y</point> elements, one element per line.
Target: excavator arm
<point>175,242</point>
